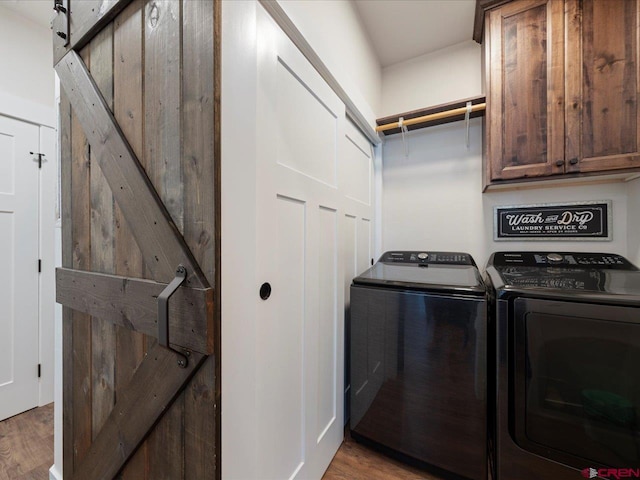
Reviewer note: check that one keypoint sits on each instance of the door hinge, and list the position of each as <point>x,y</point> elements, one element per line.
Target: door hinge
<point>39,370</point>
<point>39,265</point>
<point>40,155</point>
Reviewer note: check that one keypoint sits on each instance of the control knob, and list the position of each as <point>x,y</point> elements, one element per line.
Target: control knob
<point>423,256</point>
<point>555,257</point>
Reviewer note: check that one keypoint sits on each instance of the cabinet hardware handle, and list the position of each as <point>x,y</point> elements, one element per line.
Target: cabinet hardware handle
<point>559,163</point>
<point>573,161</point>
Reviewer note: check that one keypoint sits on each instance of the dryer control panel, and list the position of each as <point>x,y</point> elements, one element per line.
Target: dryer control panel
<point>563,259</point>
<point>426,258</point>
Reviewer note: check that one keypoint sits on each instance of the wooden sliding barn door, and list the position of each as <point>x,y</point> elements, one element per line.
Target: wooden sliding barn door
<point>139,139</point>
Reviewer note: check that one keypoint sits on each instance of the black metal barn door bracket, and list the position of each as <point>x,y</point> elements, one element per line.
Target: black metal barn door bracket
<point>62,7</point>
<point>163,314</point>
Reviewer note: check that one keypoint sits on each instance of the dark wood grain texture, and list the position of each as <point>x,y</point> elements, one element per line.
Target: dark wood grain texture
<point>133,304</point>
<point>155,385</point>
<point>163,103</point>
<point>163,149</point>
<point>201,197</point>
<point>573,63</point>
<point>67,261</point>
<point>586,119</point>
<point>162,245</point>
<point>129,113</point>
<point>217,303</point>
<point>525,118</point>
<point>81,335</point>
<point>602,85</point>
<point>525,64</point>
<point>609,42</point>
<point>482,6</point>
<point>103,341</point>
<point>88,17</point>
<point>152,96</point>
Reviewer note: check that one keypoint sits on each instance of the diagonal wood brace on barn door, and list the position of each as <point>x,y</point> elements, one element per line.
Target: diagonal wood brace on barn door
<point>131,302</point>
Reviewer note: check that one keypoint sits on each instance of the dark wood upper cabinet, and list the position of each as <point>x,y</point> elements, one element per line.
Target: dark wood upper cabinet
<point>562,88</point>
<point>525,106</point>
<point>602,85</point>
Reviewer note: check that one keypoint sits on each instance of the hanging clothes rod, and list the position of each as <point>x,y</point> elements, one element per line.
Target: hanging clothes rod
<point>436,115</point>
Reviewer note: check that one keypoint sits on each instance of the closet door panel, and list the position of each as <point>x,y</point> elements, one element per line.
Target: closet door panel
<point>300,348</point>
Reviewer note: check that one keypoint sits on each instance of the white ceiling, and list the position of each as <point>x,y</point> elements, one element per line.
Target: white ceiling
<point>403,29</point>
<point>398,29</point>
<point>38,11</point>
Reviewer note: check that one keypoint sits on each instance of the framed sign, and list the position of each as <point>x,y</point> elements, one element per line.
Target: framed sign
<point>551,221</point>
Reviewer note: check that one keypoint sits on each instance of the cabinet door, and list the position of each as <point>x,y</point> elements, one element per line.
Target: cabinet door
<point>525,112</point>
<point>602,85</point>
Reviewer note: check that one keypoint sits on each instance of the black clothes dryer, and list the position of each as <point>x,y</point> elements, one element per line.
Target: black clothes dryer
<point>567,364</point>
<point>418,360</point>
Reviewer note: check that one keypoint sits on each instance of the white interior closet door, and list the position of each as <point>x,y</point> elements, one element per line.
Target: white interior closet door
<point>18,264</point>
<point>356,174</point>
<point>303,228</point>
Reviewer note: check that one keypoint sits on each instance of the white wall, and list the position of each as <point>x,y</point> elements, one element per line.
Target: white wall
<point>238,203</point>
<point>26,53</point>
<point>334,31</point>
<point>433,198</point>
<point>633,222</point>
<point>449,74</point>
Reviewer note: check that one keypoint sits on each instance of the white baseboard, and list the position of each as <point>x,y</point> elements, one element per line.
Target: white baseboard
<point>54,474</point>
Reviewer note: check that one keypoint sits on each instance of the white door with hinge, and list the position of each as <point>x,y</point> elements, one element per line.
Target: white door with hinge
<point>303,234</point>
<point>19,189</point>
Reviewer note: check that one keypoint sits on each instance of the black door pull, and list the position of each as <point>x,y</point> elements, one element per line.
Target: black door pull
<point>265,290</point>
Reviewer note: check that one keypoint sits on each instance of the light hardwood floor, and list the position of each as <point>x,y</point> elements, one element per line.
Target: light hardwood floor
<point>26,445</point>
<point>26,453</point>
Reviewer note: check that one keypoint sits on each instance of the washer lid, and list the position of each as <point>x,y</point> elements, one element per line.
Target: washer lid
<point>453,278</point>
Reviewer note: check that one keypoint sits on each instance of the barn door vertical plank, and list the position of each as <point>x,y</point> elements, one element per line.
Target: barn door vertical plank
<point>162,104</point>
<point>81,335</point>
<point>128,111</point>
<point>102,245</point>
<point>67,261</point>
<point>198,138</point>
<point>199,141</point>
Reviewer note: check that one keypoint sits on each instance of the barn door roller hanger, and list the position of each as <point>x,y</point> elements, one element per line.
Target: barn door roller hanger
<point>62,7</point>
<point>163,314</point>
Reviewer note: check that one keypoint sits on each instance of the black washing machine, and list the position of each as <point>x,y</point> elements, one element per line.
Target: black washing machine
<point>567,365</point>
<point>418,360</point>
